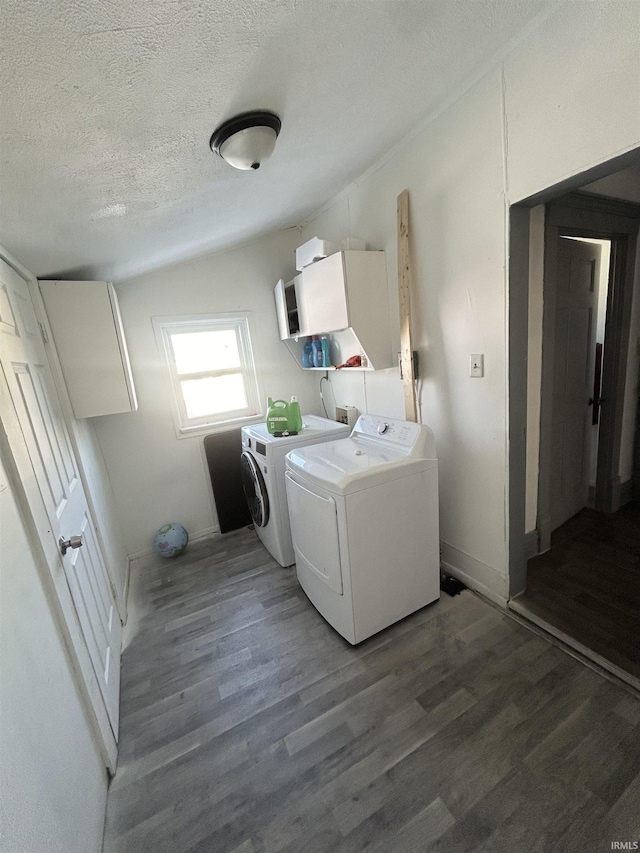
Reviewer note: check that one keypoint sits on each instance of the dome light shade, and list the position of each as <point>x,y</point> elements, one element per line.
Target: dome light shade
<point>247,140</point>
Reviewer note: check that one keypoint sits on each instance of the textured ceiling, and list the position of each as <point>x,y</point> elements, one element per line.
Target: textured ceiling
<point>107,107</point>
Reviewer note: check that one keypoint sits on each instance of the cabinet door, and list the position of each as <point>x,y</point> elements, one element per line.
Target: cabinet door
<point>322,296</point>
<point>286,309</point>
<point>87,330</point>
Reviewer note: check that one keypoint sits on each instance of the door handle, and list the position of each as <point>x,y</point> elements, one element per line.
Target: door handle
<point>71,542</point>
<point>596,401</point>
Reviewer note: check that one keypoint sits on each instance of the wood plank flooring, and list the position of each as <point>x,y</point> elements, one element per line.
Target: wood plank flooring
<point>588,584</point>
<point>249,726</point>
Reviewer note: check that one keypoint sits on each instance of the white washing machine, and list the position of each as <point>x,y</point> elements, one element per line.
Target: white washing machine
<point>262,466</point>
<point>364,521</point>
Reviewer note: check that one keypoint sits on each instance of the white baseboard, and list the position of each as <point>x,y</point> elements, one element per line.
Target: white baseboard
<point>474,574</point>
<point>196,537</point>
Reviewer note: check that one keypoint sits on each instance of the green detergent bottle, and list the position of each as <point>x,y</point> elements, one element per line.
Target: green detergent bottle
<point>296,415</point>
<point>283,418</point>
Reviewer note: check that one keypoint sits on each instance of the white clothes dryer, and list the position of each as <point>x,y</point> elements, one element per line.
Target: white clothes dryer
<point>364,522</point>
<point>262,467</point>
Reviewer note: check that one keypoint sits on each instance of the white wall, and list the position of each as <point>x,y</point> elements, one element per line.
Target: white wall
<point>564,101</point>
<point>571,94</point>
<point>102,500</point>
<point>155,476</point>
<point>53,783</point>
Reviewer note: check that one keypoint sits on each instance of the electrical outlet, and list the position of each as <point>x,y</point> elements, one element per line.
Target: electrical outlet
<point>416,364</point>
<point>342,416</point>
<point>476,365</point>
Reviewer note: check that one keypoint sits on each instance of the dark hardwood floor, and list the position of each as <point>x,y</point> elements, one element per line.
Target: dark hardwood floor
<point>588,584</point>
<point>249,725</point>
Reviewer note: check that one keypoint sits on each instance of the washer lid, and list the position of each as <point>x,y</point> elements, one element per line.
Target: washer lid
<point>349,465</point>
<point>313,428</point>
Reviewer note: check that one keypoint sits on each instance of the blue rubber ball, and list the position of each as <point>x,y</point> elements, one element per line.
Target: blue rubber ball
<point>170,540</point>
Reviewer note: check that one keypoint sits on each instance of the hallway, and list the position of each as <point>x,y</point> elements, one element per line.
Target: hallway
<point>588,584</point>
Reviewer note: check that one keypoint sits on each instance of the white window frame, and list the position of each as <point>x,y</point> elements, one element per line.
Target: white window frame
<point>237,322</point>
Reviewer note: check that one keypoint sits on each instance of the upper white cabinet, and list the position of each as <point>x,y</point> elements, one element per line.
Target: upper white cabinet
<point>346,296</point>
<point>84,317</point>
<point>339,291</point>
<point>322,296</point>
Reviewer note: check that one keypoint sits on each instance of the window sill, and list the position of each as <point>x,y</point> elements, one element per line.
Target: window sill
<point>218,426</point>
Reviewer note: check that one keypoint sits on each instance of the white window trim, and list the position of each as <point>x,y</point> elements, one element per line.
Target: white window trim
<point>240,321</point>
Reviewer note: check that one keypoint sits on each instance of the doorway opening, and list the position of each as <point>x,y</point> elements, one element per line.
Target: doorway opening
<point>574,386</point>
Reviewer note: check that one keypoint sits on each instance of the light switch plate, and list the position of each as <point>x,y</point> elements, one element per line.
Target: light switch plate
<point>476,365</point>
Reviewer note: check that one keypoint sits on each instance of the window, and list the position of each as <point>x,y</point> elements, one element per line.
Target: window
<point>212,369</point>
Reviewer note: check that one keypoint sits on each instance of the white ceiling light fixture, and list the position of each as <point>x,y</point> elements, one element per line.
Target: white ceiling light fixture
<point>246,140</point>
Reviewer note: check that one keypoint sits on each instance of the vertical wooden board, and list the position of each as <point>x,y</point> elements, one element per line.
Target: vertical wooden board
<point>404,293</point>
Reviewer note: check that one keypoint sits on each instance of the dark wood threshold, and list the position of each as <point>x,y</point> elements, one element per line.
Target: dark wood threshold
<point>525,616</point>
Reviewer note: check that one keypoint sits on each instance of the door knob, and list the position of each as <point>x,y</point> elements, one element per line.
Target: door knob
<point>71,542</point>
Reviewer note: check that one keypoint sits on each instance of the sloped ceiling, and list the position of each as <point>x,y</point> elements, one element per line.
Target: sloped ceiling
<point>107,108</point>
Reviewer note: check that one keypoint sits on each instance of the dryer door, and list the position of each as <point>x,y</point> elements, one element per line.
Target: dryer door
<point>314,530</point>
<point>255,489</point>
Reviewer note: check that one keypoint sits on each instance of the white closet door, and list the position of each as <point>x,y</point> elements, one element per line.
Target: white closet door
<point>52,465</point>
